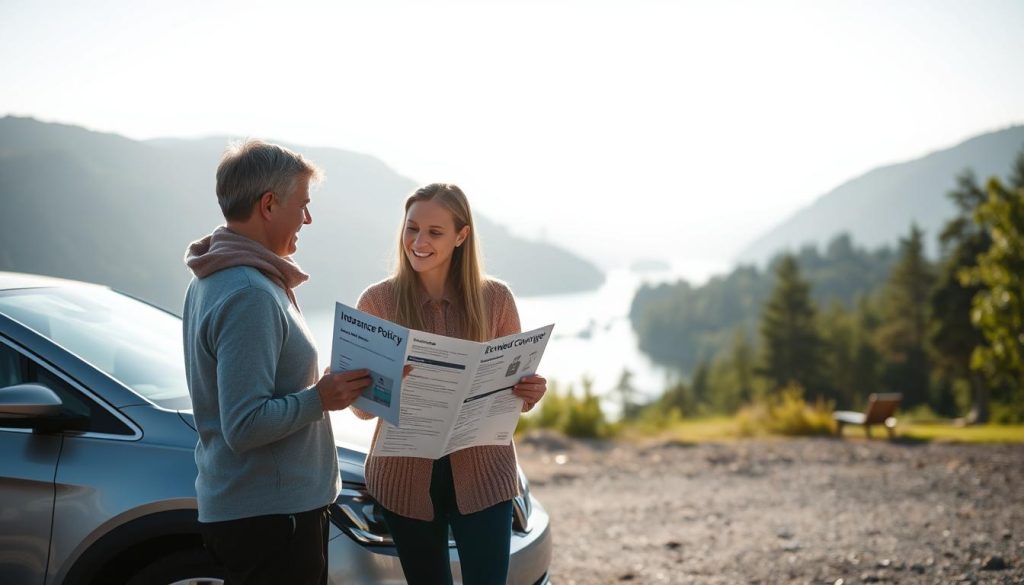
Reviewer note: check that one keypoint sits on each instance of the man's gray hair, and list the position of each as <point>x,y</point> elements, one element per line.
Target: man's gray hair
<point>250,168</point>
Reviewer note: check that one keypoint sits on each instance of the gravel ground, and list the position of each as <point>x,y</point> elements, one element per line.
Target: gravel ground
<point>780,511</point>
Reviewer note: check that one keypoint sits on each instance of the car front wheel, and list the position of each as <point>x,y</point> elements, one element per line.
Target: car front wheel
<point>183,567</point>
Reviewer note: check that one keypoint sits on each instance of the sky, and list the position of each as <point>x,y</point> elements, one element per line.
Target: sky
<point>623,130</point>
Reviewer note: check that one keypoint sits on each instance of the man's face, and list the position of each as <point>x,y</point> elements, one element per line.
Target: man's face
<point>287,217</point>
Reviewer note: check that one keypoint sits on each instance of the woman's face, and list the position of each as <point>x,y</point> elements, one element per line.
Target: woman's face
<point>430,237</point>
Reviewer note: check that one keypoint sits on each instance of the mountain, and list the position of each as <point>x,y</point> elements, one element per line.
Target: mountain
<point>878,207</point>
<point>104,208</point>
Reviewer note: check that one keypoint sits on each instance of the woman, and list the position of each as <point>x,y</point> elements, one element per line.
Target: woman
<point>439,286</point>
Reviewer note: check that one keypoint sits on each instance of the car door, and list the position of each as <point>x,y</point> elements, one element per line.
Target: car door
<point>28,463</point>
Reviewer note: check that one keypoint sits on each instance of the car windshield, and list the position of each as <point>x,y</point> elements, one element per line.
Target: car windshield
<point>135,343</point>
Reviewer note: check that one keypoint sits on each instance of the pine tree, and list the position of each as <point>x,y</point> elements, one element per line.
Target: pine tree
<point>627,394</point>
<point>953,336</point>
<point>838,333</point>
<point>905,313</point>
<point>998,309</point>
<point>791,344</point>
<point>679,396</point>
<point>866,358</point>
<point>743,365</point>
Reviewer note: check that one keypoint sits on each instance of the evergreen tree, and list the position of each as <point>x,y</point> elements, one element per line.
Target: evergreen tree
<point>679,396</point>
<point>700,385</point>
<point>730,378</point>
<point>791,345</point>
<point>743,366</point>
<point>838,333</point>
<point>866,358</point>
<point>999,306</point>
<point>627,394</point>
<point>953,336</point>
<point>905,313</point>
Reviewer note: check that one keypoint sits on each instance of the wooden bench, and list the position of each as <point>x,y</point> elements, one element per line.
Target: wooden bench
<point>878,412</point>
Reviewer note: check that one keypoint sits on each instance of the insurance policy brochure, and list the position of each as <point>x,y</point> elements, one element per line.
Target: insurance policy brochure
<point>458,395</point>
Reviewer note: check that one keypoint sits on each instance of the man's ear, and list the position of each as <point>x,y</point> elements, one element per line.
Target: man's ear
<point>265,204</point>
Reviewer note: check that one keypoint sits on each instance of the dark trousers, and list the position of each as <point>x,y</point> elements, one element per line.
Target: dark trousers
<point>483,538</point>
<point>273,549</point>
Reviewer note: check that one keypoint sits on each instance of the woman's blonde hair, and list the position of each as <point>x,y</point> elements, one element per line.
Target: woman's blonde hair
<point>465,275</point>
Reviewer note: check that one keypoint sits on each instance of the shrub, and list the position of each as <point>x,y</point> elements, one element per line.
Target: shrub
<point>786,414</point>
<point>655,418</point>
<point>576,417</point>
<point>1006,413</point>
<point>553,409</point>
<point>584,417</point>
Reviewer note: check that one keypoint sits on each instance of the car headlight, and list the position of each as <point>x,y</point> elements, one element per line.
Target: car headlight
<point>360,516</point>
<point>522,506</point>
<point>357,514</point>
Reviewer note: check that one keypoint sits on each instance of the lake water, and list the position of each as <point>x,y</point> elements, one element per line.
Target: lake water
<point>592,337</point>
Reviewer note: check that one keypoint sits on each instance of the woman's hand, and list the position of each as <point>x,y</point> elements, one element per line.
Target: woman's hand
<point>531,389</point>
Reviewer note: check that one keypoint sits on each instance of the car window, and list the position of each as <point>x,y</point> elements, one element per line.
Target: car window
<point>17,369</point>
<point>135,343</point>
<point>12,367</point>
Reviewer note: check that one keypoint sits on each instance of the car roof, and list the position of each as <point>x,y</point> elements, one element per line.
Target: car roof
<point>16,280</point>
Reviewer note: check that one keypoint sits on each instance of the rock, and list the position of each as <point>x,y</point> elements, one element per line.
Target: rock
<point>627,577</point>
<point>869,578</point>
<point>917,568</point>
<point>884,564</point>
<point>672,545</point>
<point>994,563</point>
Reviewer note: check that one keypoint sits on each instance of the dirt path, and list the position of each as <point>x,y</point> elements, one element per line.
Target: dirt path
<point>788,511</point>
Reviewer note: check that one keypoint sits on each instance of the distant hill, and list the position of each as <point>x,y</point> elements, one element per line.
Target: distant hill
<point>878,207</point>
<point>104,208</point>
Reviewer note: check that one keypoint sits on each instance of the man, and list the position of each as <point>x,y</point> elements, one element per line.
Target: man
<point>266,456</point>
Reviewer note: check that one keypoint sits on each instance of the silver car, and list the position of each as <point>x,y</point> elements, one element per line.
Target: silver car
<point>96,454</point>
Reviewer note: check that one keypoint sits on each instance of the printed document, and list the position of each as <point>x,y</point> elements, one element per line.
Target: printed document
<point>458,395</point>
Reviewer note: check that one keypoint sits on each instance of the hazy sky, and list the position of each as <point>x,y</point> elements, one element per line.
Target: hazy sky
<point>676,130</point>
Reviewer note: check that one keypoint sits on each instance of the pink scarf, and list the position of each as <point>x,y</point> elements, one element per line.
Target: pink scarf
<point>225,249</point>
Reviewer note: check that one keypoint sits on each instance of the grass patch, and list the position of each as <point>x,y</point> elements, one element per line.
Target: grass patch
<point>690,430</point>
<point>971,434</point>
<point>702,430</point>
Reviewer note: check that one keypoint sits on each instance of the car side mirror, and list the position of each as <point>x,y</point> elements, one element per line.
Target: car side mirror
<point>34,406</point>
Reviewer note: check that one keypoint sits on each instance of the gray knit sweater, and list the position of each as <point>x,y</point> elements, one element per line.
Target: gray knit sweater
<point>265,444</point>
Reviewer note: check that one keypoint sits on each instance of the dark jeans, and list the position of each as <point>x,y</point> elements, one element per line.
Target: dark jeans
<point>279,548</point>
<point>483,538</point>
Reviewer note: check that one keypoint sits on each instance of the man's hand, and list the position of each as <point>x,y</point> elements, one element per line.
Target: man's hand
<point>337,391</point>
<point>531,389</point>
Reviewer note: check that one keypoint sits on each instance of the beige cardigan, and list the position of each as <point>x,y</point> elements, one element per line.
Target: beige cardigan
<point>483,476</point>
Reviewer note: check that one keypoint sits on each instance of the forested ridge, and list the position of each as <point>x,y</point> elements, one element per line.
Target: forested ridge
<point>837,324</point>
